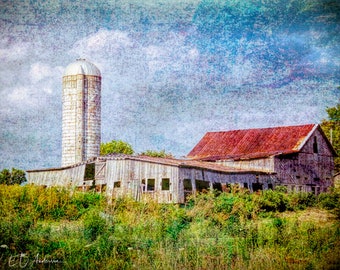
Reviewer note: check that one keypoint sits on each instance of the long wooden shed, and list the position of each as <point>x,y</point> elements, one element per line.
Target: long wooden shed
<point>141,177</point>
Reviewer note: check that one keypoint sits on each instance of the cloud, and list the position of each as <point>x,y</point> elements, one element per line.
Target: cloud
<point>40,71</point>
<point>20,94</point>
<point>16,51</point>
<point>103,41</point>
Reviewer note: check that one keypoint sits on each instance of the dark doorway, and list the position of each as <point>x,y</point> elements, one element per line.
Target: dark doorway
<point>257,186</point>
<point>187,188</point>
<point>217,186</point>
<point>89,171</point>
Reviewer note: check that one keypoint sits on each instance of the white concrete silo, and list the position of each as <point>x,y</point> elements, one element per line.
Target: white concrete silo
<point>81,126</point>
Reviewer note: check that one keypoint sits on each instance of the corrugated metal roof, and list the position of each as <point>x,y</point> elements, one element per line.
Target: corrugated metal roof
<point>181,163</point>
<point>251,143</point>
<point>184,163</point>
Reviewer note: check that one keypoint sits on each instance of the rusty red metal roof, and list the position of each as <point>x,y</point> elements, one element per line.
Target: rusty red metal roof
<point>251,143</point>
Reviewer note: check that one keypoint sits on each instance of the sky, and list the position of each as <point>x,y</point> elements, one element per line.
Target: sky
<point>171,70</point>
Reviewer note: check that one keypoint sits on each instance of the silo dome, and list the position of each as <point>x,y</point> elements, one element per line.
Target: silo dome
<point>81,67</point>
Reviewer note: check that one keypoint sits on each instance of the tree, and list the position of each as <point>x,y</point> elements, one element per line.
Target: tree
<point>161,154</point>
<point>331,128</point>
<point>116,147</point>
<point>15,176</point>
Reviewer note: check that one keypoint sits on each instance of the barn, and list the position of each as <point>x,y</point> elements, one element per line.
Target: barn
<point>300,156</point>
<point>165,180</point>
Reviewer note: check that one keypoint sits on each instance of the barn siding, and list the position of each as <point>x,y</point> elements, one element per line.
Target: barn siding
<point>134,175</point>
<point>260,164</point>
<point>306,170</point>
<point>70,176</point>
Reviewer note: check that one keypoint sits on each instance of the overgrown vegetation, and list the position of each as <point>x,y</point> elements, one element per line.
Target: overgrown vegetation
<point>331,127</point>
<point>63,229</point>
<point>153,153</point>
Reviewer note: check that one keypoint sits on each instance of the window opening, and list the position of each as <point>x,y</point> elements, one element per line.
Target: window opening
<point>187,185</point>
<point>151,185</point>
<point>117,184</point>
<point>165,184</point>
<point>315,146</point>
<point>202,185</point>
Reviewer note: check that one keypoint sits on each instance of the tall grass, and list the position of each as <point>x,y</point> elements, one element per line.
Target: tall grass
<point>63,229</point>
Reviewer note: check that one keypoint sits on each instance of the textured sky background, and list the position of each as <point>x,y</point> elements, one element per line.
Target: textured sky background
<point>172,70</point>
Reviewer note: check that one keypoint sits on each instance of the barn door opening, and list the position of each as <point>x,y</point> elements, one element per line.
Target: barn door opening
<point>187,187</point>
<point>257,186</point>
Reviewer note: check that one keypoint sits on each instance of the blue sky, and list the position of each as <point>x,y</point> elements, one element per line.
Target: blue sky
<point>171,70</point>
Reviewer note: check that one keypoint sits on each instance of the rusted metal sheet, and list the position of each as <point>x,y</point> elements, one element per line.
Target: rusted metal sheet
<point>251,143</point>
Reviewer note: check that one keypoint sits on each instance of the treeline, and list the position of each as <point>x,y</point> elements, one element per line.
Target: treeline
<point>236,230</point>
<point>12,177</point>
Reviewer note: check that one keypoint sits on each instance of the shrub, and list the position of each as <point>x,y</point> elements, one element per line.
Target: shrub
<point>301,200</point>
<point>94,224</point>
<point>271,201</point>
<point>329,201</point>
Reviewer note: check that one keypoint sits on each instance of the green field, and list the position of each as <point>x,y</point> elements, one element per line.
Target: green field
<point>54,228</point>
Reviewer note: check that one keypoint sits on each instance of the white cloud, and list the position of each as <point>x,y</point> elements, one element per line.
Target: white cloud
<point>103,42</point>
<point>20,95</point>
<point>15,51</point>
<point>40,71</point>
<point>193,54</point>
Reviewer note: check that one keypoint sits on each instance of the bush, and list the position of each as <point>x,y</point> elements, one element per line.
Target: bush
<point>301,200</point>
<point>271,201</point>
<point>94,224</point>
<point>329,201</point>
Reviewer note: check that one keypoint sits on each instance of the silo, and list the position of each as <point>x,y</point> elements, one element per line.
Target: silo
<point>81,126</point>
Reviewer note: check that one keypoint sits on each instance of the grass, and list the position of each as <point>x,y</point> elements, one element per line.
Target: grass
<point>57,228</point>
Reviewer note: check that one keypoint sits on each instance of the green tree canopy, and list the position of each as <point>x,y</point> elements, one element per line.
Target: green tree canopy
<point>15,176</point>
<point>116,147</point>
<point>152,153</point>
<point>331,128</point>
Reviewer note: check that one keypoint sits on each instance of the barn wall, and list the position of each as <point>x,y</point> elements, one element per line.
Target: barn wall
<point>309,170</point>
<point>263,164</point>
<point>242,179</point>
<point>62,177</point>
<point>135,178</point>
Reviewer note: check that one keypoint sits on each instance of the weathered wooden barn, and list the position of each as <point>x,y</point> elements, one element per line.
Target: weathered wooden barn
<point>301,157</point>
<point>162,179</point>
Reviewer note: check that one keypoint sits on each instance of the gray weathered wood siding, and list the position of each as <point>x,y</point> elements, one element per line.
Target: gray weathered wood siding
<point>133,177</point>
<point>308,170</point>
<point>70,176</point>
<point>261,164</point>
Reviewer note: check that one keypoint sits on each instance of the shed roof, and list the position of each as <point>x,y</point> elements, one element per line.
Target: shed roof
<point>183,163</point>
<point>252,143</point>
<point>180,163</point>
